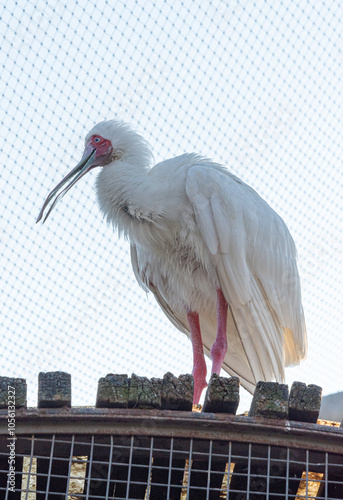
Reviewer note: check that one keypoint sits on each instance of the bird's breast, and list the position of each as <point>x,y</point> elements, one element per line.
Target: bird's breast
<point>180,270</point>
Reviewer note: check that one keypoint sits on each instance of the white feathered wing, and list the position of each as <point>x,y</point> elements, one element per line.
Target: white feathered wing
<point>255,259</point>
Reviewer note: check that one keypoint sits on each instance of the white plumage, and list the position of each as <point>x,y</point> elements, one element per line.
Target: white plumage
<point>194,229</point>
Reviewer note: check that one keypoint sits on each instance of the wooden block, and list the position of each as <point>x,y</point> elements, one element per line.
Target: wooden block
<point>13,391</point>
<point>145,392</point>
<point>270,400</point>
<point>304,402</point>
<point>177,392</point>
<point>113,391</point>
<point>54,389</point>
<point>222,395</point>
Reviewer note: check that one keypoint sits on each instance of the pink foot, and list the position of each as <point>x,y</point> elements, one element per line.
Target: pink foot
<point>219,347</point>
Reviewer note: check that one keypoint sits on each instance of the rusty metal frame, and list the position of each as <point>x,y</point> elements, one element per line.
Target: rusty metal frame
<point>90,421</point>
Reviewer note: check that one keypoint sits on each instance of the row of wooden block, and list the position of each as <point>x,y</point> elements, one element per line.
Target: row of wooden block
<point>270,399</point>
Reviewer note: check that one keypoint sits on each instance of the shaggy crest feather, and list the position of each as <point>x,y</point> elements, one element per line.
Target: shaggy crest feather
<point>126,142</point>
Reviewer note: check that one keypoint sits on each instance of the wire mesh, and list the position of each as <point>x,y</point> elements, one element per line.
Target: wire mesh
<point>255,85</point>
<point>146,467</point>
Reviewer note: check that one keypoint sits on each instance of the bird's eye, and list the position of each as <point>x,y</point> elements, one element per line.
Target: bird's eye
<point>96,139</point>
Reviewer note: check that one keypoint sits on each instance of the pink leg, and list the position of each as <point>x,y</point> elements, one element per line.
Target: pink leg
<point>219,347</point>
<point>199,365</point>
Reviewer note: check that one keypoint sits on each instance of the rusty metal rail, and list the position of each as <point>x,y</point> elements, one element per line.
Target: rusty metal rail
<point>107,421</point>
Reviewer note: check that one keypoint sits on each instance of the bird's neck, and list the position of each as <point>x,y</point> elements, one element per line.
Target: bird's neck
<point>122,190</point>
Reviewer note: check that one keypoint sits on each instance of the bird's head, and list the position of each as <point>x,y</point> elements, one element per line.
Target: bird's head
<point>107,142</point>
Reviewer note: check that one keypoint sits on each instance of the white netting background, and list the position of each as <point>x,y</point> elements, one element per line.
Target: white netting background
<point>255,85</point>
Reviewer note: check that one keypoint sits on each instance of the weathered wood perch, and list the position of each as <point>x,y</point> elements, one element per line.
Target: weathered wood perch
<point>304,402</point>
<point>222,395</point>
<point>121,391</point>
<point>113,391</point>
<point>54,389</point>
<point>177,392</point>
<point>270,400</point>
<point>7,384</point>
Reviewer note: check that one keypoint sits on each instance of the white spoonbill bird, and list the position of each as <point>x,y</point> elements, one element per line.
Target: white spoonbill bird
<point>219,261</point>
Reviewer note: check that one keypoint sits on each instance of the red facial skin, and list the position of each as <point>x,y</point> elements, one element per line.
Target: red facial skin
<point>103,149</point>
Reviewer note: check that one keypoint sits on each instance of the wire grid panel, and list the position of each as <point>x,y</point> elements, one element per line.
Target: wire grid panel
<point>141,467</point>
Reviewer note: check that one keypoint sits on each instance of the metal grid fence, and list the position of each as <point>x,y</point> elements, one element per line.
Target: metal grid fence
<point>156,468</point>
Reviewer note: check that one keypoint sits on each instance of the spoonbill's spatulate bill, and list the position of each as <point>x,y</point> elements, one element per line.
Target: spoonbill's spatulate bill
<point>220,262</point>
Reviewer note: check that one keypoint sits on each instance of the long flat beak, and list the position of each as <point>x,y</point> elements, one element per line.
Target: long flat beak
<point>79,171</point>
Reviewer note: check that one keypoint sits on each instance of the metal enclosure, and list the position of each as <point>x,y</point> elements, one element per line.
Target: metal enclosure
<point>153,454</point>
